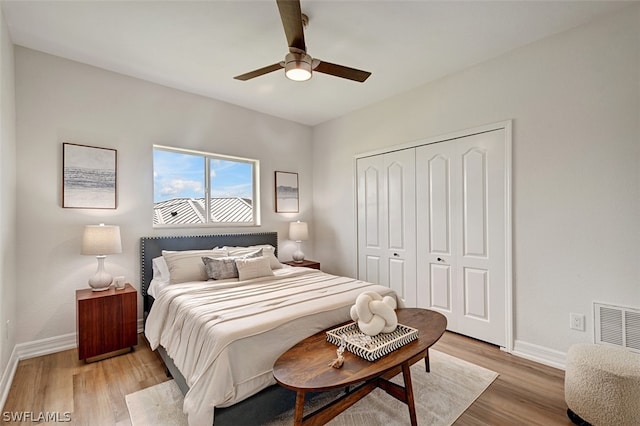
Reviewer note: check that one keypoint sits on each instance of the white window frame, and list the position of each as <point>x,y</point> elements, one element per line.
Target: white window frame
<point>209,156</point>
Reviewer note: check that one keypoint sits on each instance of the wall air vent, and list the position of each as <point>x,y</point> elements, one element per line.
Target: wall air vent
<point>617,325</point>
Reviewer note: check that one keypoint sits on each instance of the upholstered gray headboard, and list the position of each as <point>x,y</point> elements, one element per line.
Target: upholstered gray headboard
<point>151,247</point>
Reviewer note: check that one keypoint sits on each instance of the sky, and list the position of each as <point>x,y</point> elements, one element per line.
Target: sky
<point>180,175</point>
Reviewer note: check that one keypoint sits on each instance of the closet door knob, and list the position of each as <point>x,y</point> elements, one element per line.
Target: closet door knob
<point>396,255</point>
<point>440,259</point>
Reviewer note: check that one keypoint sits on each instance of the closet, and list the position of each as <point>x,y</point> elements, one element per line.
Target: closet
<point>433,224</point>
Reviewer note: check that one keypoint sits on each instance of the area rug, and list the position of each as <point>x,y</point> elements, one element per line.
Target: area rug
<point>440,397</point>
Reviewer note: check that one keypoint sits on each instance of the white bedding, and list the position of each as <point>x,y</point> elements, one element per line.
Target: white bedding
<point>205,325</point>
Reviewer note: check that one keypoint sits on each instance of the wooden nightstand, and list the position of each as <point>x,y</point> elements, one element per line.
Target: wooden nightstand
<point>305,263</point>
<point>107,321</point>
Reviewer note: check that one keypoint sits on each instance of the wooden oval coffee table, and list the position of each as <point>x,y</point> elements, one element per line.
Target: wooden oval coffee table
<point>305,368</point>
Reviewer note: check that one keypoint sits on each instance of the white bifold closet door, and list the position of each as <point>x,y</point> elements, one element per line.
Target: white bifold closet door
<point>432,226</point>
<point>386,222</point>
<point>461,241</point>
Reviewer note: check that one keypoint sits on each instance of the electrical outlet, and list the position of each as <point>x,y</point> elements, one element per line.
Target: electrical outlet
<point>576,322</point>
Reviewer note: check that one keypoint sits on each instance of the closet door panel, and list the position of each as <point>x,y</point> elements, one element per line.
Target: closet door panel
<point>440,296</point>
<point>439,214</point>
<point>481,262</point>
<point>372,233</point>
<point>372,265</point>
<point>371,183</point>
<point>401,210</point>
<point>476,291</point>
<point>434,230</point>
<point>461,226</point>
<point>386,222</point>
<point>474,200</point>
<point>397,204</point>
<point>397,278</point>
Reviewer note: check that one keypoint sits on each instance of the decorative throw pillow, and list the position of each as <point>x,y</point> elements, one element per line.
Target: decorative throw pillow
<point>269,251</point>
<point>225,267</point>
<point>254,268</point>
<point>185,266</point>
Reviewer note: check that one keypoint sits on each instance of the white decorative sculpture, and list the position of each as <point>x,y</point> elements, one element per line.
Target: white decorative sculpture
<point>375,314</point>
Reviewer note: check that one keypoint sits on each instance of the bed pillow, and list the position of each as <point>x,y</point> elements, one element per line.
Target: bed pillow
<point>268,250</point>
<point>160,269</point>
<point>225,267</point>
<point>254,268</point>
<point>185,266</point>
<point>159,277</point>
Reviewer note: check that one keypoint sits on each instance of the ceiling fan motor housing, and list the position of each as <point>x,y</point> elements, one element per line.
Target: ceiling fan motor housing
<point>298,66</point>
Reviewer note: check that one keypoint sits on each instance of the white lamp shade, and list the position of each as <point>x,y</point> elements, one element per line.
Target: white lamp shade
<point>101,239</point>
<point>298,231</point>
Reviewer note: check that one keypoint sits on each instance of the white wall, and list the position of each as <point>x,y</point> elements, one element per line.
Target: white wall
<point>575,104</point>
<point>63,101</point>
<point>7,199</point>
<point>574,99</point>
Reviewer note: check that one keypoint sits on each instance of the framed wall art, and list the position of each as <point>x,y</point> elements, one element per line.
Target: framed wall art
<point>286,192</point>
<point>89,177</point>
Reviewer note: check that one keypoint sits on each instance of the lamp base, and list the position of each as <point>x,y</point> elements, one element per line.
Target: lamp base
<point>101,289</point>
<point>298,256</point>
<point>101,280</point>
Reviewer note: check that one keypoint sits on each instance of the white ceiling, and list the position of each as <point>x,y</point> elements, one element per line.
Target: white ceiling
<point>199,46</point>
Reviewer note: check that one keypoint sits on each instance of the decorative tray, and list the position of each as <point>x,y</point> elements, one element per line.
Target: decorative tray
<point>371,347</point>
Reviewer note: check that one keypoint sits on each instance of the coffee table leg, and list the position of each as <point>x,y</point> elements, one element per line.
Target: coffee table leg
<point>406,374</point>
<point>298,414</point>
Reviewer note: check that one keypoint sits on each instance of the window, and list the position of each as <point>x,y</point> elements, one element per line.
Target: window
<point>198,188</point>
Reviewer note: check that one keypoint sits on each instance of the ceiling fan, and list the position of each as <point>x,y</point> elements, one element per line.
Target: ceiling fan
<point>298,65</point>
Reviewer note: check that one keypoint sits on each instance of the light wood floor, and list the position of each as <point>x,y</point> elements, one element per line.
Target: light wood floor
<point>525,393</point>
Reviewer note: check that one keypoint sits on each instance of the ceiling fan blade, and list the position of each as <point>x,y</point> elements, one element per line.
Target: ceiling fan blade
<point>291,16</point>
<point>259,72</point>
<point>342,71</point>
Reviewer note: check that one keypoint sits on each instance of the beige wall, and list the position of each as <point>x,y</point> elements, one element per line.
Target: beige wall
<point>7,200</point>
<point>63,101</point>
<point>575,104</point>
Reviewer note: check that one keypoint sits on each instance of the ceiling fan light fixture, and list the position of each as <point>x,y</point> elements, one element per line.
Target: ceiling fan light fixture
<point>297,66</point>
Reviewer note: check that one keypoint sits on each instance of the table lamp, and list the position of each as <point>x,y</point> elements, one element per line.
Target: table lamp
<point>298,232</point>
<point>101,240</point>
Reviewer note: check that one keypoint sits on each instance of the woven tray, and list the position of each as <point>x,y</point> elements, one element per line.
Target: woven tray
<point>380,345</point>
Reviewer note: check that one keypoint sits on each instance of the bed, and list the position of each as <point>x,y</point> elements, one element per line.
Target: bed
<point>219,338</point>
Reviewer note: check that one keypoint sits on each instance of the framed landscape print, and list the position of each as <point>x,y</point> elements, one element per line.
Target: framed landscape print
<point>286,192</point>
<point>89,176</point>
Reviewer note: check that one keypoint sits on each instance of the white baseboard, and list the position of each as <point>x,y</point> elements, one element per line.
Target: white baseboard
<point>46,346</point>
<point>7,377</point>
<point>540,354</point>
<point>37,348</point>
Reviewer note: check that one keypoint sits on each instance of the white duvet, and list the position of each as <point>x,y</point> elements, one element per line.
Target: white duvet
<point>224,336</point>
